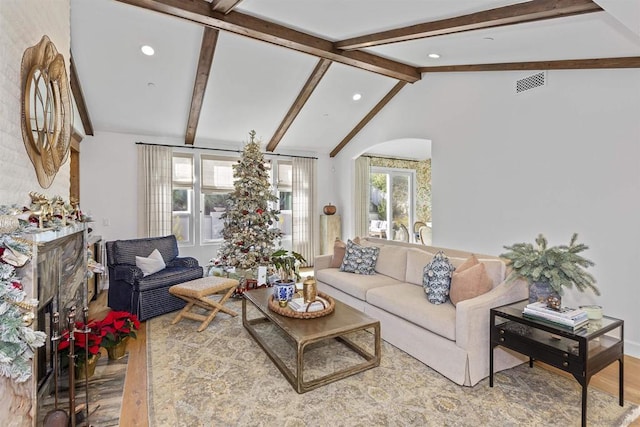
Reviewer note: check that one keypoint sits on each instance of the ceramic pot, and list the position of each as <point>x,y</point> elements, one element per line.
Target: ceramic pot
<point>283,292</point>
<point>91,367</point>
<point>119,350</point>
<point>329,209</point>
<point>542,291</point>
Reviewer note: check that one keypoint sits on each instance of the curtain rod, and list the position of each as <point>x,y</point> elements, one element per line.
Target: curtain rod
<point>391,158</point>
<point>223,149</point>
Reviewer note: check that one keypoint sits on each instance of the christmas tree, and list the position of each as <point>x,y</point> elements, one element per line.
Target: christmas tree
<point>249,221</point>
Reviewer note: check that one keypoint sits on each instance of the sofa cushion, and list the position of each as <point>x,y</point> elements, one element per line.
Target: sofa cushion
<point>437,278</point>
<point>339,249</point>
<point>151,264</point>
<point>407,301</point>
<point>495,268</point>
<point>417,259</point>
<point>353,284</point>
<point>392,262</point>
<point>469,281</point>
<point>359,260</point>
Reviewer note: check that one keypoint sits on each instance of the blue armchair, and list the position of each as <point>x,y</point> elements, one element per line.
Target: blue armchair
<point>147,297</point>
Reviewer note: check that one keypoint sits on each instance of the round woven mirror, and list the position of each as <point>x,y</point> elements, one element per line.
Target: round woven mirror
<point>46,109</point>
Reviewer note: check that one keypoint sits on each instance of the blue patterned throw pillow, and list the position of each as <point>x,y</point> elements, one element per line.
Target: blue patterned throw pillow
<point>359,259</point>
<point>436,278</point>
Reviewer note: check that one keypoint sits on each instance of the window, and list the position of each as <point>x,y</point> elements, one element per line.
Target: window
<point>182,198</point>
<point>202,187</point>
<point>284,184</point>
<point>215,189</point>
<point>391,188</point>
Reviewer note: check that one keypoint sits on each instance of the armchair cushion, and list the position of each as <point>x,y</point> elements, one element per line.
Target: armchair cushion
<point>187,262</point>
<point>125,251</point>
<point>151,264</point>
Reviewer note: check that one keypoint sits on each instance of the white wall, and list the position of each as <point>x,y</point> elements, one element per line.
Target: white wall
<point>556,160</point>
<point>23,24</point>
<point>108,171</point>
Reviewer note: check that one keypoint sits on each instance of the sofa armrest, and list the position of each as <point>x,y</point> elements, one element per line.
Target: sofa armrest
<point>126,273</point>
<point>321,262</point>
<point>183,262</point>
<point>472,315</point>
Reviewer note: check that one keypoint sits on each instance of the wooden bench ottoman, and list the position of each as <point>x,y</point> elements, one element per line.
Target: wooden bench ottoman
<point>198,293</point>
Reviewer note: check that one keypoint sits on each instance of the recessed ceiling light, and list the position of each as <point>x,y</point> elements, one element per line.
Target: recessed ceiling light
<point>151,84</point>
<point>147,50</point>
<point>488,38</point>
<point>356,97</point>
<point>434,56</point>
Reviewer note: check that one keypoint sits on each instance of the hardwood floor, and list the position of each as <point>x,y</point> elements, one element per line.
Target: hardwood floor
<point>134,408</point>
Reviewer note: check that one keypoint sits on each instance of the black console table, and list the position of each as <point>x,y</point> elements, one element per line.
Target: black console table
<point>583,352</point>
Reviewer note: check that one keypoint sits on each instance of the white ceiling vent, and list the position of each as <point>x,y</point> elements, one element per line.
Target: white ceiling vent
<point>531,82</point>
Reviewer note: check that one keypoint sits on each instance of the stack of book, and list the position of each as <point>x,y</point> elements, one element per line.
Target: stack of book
<point>298,304</point>
<point>572,318</point>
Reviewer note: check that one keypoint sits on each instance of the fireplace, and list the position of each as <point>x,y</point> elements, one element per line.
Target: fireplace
<point>57,277</point>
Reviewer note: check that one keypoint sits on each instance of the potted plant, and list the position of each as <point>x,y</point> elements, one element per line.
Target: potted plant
<point>286,264</point>
<point>116,329</point>
<point>549,270</point>
<point>86,348</point>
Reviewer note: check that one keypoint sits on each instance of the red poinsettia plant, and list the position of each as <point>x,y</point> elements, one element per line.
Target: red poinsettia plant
<point>117,326</point>
<point>83,342</point>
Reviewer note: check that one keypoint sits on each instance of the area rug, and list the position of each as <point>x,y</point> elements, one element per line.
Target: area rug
<point>221,377</point>
<point>105,394</point>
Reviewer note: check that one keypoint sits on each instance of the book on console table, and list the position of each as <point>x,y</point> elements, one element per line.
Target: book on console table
<point>564,312</point>
<point>298,304</point>
<point>572,322</point>
<point>568,317</point>
<point>569,327</point>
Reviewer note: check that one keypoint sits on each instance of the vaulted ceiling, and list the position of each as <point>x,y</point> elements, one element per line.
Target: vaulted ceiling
<point>289,68</point>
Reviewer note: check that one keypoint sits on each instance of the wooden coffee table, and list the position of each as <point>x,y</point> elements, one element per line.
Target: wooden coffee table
<point>303,332</point>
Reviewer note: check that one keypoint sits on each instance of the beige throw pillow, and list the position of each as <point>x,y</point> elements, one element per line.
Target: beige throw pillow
<point>339,248</point>
<point>469,280</point>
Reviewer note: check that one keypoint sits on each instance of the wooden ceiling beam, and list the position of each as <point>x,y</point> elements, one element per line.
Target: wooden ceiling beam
<point>200,11</point>
<point>535,10</point>
<point>207,50</point>
<point>370,115</point>
<point>308,88</point>
<point>568,64</point>
<point>78,95</point>
<point>224,6</point>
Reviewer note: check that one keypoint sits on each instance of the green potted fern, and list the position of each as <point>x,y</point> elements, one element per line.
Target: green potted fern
<point>549,270</point>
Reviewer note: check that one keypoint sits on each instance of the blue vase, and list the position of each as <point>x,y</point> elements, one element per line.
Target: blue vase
<point>283,292</point>
<point>541,291</point>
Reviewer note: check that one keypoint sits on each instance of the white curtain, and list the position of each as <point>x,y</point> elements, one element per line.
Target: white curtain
<point>361,196</point>
<point>304,206</point>
<point>154,190</point>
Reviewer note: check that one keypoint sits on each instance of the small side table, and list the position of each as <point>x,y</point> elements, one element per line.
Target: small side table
<point>583,352</point>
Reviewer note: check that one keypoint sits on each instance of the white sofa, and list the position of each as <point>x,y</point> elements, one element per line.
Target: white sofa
<point>453,340</point>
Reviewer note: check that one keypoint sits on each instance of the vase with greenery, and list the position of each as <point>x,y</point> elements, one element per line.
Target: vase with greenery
<point>549,270</point>
<point>287,266</point>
